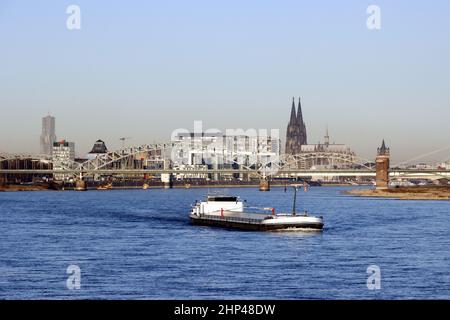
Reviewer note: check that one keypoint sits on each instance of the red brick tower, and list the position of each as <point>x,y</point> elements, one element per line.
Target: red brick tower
<point>382,167</point>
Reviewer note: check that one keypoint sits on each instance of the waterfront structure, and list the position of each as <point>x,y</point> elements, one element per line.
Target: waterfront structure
<point>444,165</point>
<point>63,155</point>
<point>442,182</point>
<point>382,164</point>
<point>423,166</point>
<point>27,162</point>
<point>201,151</point>
<point>296,130</point>
<point>48,135</point>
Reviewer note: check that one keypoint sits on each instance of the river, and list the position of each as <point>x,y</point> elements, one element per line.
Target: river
<point>138,244</point>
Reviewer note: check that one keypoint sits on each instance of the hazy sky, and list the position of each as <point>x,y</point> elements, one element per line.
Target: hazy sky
<point>144,68</point>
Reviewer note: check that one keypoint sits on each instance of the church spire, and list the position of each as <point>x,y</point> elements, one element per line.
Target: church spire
<point>383,150</point>
<point>296,131</point>
<point>299,113</point>
<point>293,115</point>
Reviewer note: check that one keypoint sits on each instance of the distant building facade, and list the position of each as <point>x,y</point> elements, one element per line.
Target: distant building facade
<point>296,130</point>
<point>326,155</point>
<point>48,135</point>
<point>63,154</point>
<point>219,151</point>
<point>444,165</point>
<point>24,164</point>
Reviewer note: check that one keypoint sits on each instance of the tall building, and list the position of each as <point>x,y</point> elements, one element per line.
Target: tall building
<point>296,130</point>
<point>48,135</point>
<point>63,154</point>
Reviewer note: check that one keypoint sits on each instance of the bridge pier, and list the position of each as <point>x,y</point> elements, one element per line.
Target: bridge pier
<point>80,185</point>
<point>167,179</point>
<point>382,164</point>
<point>264,185</point>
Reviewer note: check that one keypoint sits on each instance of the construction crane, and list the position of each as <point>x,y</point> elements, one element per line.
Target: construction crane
<point>123,140</point>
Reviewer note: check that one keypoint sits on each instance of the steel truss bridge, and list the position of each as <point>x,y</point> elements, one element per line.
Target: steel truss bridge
<point>123,162</point>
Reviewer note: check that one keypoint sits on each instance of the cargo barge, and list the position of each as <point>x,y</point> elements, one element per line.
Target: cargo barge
<point>228,212</point>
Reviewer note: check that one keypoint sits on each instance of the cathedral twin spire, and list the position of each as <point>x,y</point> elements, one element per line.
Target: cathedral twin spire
<point>300,114</point>
<point>296,130</point>
<point>293,114</point>
<point>296,117</point>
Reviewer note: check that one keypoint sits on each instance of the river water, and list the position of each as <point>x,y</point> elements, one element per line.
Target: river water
<point>138,244</point>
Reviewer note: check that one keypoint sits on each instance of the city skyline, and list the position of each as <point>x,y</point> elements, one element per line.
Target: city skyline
<point>120,142</point>
<point>130,73</point>
<point>49,121</point>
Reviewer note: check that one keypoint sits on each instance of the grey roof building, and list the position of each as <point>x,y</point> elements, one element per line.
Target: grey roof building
<point>99,147</point>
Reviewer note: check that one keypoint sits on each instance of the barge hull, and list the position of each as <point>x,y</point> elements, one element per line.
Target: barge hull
<point>253,226</point>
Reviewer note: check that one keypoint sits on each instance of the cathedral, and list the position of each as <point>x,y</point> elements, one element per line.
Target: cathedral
<point>326,154</point>
<point>296,131</point>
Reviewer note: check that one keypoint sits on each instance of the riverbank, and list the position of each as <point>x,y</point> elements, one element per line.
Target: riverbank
<point>20,187</point>
<point>407,193</point>
<point>11,188</point>
<point>157,185</point>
